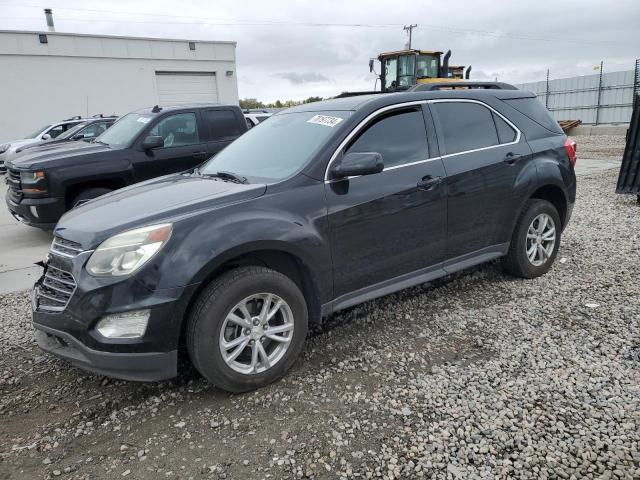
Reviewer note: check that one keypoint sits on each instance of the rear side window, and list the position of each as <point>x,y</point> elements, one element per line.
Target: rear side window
<point>532,108</point>
<point>221,124</point>
<point>506,134</point>
<point>465,126</point>
<point>400,137</point>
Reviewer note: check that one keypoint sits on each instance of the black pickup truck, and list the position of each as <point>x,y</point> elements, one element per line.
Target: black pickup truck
<point>144,144</point>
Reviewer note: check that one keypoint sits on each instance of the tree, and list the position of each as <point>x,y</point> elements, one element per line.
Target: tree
<point>251,103</point>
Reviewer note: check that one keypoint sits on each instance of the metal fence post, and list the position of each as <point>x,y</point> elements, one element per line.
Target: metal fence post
<point>546,98</point>
<point>636,81</point>
<point>599,94</point>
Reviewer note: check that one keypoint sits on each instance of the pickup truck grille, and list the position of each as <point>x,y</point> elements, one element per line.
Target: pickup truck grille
<point>55,290</point>
<point>64,247</point>
<point>15,189</point>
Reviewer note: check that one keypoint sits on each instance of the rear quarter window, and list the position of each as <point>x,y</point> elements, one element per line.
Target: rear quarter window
<point>536,111</point>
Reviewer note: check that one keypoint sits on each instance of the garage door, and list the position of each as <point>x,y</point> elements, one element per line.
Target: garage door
<point>175,88</point>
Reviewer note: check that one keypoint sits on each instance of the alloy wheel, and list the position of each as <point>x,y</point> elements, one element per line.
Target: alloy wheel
<point>541,239</point>
<point>256,333</point>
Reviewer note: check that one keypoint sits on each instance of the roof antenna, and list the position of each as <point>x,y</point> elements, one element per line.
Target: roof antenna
<point>156,109</point>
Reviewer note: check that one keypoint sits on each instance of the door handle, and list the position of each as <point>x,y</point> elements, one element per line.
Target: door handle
<point>511,158</point>
<point>429,182</point>
<point>199,155</point>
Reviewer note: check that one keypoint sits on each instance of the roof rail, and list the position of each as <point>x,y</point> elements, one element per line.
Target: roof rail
<point>458,85</point>
<point>77,117</point>
<point>102,115</point>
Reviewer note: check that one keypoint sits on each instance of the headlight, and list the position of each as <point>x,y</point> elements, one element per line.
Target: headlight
<point>30,177</point>
<point>5,147</point>
<point>126,252</point>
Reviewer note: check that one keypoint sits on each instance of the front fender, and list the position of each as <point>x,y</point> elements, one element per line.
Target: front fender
<point>202,244</point>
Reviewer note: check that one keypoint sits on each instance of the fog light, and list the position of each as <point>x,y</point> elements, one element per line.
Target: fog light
<point>34,211</point>
<point>124,325</point>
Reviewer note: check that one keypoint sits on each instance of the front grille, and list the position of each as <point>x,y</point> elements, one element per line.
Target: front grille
<point>15,189</point>
<point>55,290</point>
<point>65,247</point>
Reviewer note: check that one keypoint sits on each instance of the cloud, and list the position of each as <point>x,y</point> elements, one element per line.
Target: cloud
<point>293,49</point>
<point>300,78</point>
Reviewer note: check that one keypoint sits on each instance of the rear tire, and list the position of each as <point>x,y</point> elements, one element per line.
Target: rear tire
<point>88,194</point>
<point>232,309</point>
<point>535,240</point>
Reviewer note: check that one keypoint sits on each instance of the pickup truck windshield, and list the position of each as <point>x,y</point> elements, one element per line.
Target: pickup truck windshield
<point>277,149</point>
<point>125,130</point>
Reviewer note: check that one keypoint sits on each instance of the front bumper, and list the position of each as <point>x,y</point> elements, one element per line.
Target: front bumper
<point>70,333</point>
<point>49,211</point>
<point>147,367</point>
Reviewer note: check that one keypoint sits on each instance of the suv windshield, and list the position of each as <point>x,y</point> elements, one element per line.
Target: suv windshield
<point>38,132</point>
<point>72,131</point>
<point>278,149</point>
<point>125,130</point>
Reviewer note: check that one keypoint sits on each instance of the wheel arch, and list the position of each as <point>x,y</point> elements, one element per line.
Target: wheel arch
<point>555,195</point>
<point>73,190</point>
<point>275,257</point>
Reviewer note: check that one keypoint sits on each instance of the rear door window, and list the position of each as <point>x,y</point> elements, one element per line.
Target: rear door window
<point>400,137</point>
<point>465,126</point>
<point>221,124</point>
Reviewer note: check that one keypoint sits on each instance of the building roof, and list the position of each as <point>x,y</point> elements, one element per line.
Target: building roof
<point>121,37</point>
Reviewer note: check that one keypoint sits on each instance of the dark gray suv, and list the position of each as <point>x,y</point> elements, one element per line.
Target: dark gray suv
<point>324,206</point>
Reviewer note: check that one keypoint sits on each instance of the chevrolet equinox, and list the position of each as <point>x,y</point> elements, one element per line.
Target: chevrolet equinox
<point>324,206</point>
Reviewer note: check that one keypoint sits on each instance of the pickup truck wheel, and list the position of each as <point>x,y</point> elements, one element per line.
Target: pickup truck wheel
<point>247,328</point>
<point>88,194</point>
<point>535,240</point>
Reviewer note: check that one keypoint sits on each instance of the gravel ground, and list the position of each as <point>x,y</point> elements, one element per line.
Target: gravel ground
<point>478,376</point>
<point>600,146</point>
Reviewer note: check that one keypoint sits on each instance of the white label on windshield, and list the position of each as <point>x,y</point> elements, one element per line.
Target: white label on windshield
<point>325,120</point>
<point>144,119</point>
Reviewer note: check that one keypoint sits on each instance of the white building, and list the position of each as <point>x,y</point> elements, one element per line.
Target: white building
<point>48,76</point>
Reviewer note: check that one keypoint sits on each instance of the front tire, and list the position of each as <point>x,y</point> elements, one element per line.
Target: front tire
<point>535,241</point>
<point>247,328</point>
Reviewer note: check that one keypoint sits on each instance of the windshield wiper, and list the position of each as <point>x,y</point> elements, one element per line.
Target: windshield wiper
<point>229,176</point>
<point>100,141</point>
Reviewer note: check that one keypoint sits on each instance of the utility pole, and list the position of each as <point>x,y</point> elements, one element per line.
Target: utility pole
<point>409,28</point>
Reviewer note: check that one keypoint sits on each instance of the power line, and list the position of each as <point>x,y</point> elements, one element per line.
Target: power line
<point>235,22</point>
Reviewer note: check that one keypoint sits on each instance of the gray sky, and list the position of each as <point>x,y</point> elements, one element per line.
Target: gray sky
<point>294,49</point>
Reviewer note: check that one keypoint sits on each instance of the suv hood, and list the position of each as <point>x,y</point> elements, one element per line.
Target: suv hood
<point>20,143</point>
<point>168,198</point>
<point>61,153</point>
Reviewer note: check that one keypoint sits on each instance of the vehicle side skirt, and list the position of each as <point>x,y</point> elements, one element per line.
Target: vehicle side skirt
<point>417,277</point>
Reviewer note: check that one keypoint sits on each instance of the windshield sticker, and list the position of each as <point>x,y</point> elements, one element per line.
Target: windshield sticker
<point>144,119</point>
<point>325,120</point>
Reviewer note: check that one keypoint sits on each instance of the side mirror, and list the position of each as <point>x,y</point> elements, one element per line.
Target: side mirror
<point>153,141</point>
<point>78,136</point>
<point>46,136</point>
<point>371,65</point>
<point>354,164</point>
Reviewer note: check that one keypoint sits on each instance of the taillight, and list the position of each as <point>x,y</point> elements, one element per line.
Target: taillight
<point>570,146</point>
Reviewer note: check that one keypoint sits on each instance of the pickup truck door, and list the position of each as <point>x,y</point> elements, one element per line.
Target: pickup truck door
<point>222,126</point>
<point>184,147</point>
